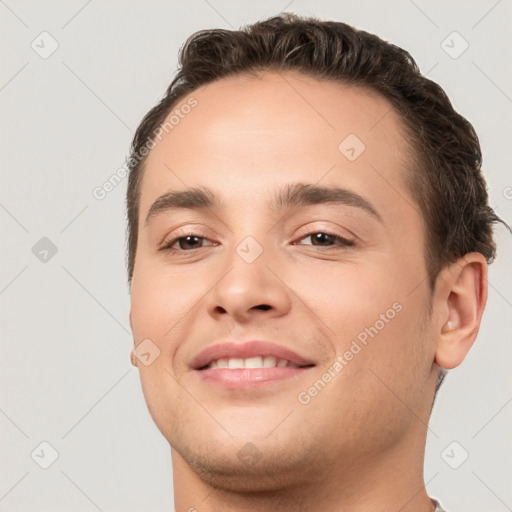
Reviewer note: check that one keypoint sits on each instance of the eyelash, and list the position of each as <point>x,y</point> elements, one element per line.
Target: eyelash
<point>167,246</point>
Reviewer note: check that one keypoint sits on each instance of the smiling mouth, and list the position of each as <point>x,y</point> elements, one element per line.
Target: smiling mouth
<point>255,362</point>
<point>251,373</point>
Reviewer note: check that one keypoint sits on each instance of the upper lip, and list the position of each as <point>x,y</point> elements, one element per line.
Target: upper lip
<point>247,349</point>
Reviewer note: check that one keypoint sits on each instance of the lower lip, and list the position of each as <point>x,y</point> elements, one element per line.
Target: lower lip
<point>249,378</point>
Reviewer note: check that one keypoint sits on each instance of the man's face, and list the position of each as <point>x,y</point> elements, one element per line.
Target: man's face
<point>269,271</point>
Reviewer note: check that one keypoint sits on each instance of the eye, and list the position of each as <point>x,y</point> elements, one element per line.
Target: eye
<point>326,239</point>
<point>185,243</point>
<point>190,242</point>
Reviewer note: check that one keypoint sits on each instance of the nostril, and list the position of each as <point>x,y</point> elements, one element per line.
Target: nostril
<point>265,307</point>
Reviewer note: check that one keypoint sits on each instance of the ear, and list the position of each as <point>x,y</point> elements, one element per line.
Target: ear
<point>460,297</point>
<point>133,358</point>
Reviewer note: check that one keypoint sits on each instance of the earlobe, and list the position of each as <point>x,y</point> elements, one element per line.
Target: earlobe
<point>462,298</point>
<point>133,357</point>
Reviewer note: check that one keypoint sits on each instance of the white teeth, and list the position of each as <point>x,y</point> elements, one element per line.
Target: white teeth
<point>253,362</point>
<point>235,362</point>
<point>250,362</point>
<point>269,362</point>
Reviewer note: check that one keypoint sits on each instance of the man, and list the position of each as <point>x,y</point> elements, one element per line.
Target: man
<point>309,235</point>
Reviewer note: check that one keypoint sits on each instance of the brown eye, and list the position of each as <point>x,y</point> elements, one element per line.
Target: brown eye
<point>324,239</point>
<point>188,242</point>
<point>184,243</point>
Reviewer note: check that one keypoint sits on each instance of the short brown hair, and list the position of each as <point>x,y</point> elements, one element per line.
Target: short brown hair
<point>446,182</point>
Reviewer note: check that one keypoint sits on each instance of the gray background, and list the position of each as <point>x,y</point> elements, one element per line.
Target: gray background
<point>66,124</point>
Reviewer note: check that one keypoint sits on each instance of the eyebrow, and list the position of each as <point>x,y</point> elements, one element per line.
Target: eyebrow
<point>289,196</point>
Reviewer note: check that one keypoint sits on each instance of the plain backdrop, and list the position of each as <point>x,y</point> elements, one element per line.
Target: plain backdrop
<point>76,78</point>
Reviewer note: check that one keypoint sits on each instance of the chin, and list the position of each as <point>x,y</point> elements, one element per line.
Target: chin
<point>241,465</point>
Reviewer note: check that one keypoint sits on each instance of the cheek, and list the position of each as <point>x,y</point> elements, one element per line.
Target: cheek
<point>159,303</point>
<point>156,311</point>
<point>349,297</point>
<point>372,318</point>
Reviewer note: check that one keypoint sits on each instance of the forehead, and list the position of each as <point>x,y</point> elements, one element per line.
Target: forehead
<point>247,133</point>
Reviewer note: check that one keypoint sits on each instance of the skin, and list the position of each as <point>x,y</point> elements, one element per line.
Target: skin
<point>358,445</point>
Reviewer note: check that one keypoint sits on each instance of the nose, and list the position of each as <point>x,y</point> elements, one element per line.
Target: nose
<point>249,289</point>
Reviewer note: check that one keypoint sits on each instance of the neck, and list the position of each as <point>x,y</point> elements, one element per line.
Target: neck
<point>391,480</point>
